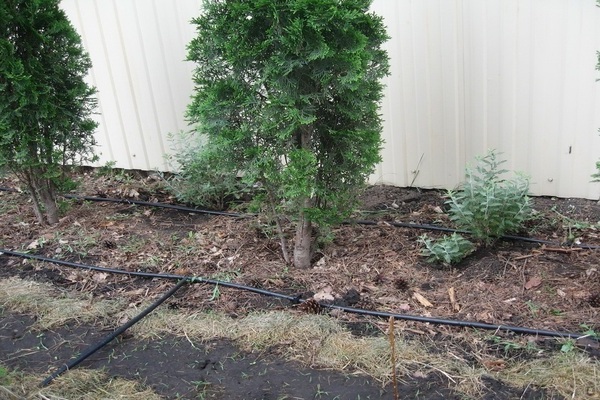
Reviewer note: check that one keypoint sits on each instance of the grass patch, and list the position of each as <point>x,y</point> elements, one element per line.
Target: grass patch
<point>53,307</point>
<point>77,384</point>
<point>314,340</point>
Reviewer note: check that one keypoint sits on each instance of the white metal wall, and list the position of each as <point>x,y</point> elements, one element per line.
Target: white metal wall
<point>467,76</point>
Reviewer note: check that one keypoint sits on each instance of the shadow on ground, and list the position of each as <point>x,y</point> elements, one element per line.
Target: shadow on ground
<point>179,369</point>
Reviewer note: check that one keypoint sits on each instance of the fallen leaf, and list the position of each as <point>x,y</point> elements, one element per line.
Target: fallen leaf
<point>404,307</point>
<point>560,293</point>
<point>33,245</point>
<point>100,277</point>
<point>533,282</point>
<point>494,365</point>
<point>420,375</point>
<point>324,294</point>
<point>422,300</point>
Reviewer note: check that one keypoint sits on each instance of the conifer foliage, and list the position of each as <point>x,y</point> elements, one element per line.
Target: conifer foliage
<point>45,104</point>
<point>289,90</point>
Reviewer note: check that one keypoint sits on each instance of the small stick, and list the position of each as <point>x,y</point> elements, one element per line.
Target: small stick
<point>393,357</point>
<point>559,250</point>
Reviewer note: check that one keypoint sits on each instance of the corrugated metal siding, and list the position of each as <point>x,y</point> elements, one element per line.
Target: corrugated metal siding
<point>138,48</point>
<point>467,75</point>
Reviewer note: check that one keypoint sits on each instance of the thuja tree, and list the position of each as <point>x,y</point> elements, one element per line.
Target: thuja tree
<point>45,104</point>
<point>289,91</point>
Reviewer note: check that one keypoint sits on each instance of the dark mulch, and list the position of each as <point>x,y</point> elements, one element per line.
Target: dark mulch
<point>372,267</point>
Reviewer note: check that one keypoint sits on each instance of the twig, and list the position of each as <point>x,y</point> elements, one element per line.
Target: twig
<point>188,339</point>
<point>525,391</point>
<point>393,357</point>
<point>564,251</point>
<point>11,394</point>
<point>447,375</point>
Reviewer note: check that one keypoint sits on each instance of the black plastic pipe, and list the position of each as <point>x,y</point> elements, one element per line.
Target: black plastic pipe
<point>464,324</point>
<point>149,274</point>
<point>437,321</point>
<point>150,204</point>
<point>94,348</point>
<point>350,222</point>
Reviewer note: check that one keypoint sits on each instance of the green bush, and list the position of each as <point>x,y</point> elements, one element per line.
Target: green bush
<point>46,104</point>
<point>488,205</point>
<point>448,250</point>
<point>289,91</point>
<point>206,177</point>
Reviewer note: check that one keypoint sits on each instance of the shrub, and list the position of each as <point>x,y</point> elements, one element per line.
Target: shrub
<point>206,178</point>
<point>488,205</point>
<point>45,103</point>
<point>289,91</point>
<point>449,250</point>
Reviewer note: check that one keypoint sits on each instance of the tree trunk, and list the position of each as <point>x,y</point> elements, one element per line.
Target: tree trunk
<point>42,195</point>
<point>303,242</point>
<point>35,202</point>
<point>47,196</point>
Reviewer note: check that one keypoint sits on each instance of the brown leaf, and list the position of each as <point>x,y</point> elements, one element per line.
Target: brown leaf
<point>533,282</point>
<point>99,277</point>
<point>494,365</point>
<point>324,294</point>
<point>422,300</point>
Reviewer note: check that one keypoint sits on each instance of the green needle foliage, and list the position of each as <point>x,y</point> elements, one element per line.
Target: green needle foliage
<point>488,205</point>
<point>289,91</point>
<point>45,103</point>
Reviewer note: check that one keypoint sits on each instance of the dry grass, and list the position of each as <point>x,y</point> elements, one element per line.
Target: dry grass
<point>314,340</point>
<point>78,384</point>
<point>574,375</point>
<point>51,306</point>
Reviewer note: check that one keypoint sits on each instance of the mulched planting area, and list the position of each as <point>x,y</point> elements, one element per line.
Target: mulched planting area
<point>551,286</point>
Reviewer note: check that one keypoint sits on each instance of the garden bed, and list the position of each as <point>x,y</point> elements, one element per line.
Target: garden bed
<point>372,267</point>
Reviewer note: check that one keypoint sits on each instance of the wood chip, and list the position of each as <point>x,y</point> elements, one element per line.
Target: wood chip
<point>452,296</point>
<point>422,300</point>
<point>533,282</point>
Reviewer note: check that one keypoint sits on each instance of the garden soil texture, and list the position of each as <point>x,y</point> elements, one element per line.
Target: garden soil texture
<point>373,267</point>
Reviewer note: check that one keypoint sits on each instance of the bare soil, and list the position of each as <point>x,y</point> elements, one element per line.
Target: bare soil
<point>374,267</point>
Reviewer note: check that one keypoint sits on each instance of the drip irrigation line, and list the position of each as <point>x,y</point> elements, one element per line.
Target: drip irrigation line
<point>141,203</point>
<point>297,299</point>
<point>149,275</point>
<point>349,222</point>
<point>452,230</point>
<point>459,323</point>
<point>406,225</point>
<point>7,189</point>
<point>94,348</point>
<point>151,204</point>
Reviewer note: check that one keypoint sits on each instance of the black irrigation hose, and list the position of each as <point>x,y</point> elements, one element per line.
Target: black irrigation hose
<point>150,204</point>
<point>464,324</point>
<point>7,189</point>
<point>437,321</point>
<point>350,222</point>
<point>94,348</point>
<point>149,274</point>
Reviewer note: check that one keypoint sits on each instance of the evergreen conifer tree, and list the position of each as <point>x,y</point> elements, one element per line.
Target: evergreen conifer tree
<point>289,91</point>
<point>45,103</point>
